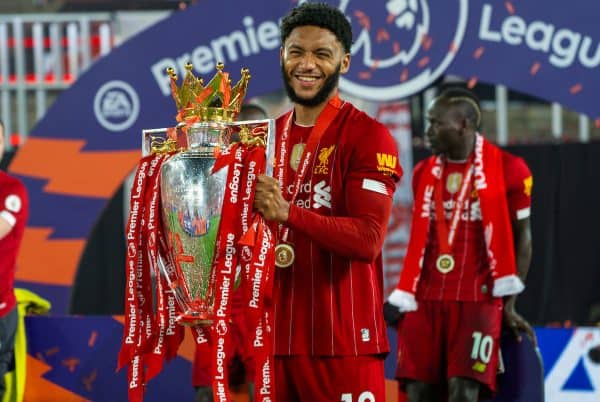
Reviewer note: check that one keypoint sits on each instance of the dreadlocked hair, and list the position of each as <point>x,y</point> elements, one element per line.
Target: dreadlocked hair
<point>321,15</point>
<point>468,100</point>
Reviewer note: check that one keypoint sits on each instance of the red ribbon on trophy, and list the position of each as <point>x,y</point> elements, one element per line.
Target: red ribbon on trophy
<point>151,333</point>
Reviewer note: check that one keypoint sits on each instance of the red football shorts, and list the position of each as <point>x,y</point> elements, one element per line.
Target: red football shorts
<point>327,379</point>
<point>445,339</point>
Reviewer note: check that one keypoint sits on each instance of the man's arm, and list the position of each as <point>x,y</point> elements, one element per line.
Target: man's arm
<point>359,235</point>
<point>522,238</point>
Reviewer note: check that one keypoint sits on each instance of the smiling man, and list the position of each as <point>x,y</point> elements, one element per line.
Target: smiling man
<point>339,168</point>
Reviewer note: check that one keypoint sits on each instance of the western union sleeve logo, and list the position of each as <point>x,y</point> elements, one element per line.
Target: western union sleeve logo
<point>386,163</point>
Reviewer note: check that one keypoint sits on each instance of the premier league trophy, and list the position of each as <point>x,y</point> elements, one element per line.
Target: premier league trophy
<point>191,193</point>
<point>193,238</point>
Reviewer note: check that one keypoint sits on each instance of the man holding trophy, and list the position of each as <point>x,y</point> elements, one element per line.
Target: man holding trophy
<point>330,197</point>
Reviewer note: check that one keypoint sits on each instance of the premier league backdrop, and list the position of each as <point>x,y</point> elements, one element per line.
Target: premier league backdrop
<point>79,153</point>
<point>90,140</point>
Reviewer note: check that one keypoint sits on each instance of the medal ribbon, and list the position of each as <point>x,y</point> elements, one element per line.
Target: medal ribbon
<point>168,335</point>
<point>224,266</point>
<point>258,258</point>
<point>446,234</point>
<point>325,118</point>
<point>138,298</point>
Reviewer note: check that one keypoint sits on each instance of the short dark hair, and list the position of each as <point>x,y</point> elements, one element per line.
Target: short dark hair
<point>321,15</point>
<point>468,101</point>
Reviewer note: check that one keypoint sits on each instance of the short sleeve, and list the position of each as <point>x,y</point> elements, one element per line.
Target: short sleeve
<point>519,183</point>
<point>374,163</point>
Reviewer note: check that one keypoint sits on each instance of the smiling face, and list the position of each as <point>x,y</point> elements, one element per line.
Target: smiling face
<point>312,59</point>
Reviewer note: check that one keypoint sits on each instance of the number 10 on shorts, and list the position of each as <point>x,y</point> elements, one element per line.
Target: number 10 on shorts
<point>482,347</point>
<point>363,397</point>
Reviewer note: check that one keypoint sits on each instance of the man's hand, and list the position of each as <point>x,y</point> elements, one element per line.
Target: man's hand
<point>515,322</point>
<point>269,201</point>
<point>391,314</point>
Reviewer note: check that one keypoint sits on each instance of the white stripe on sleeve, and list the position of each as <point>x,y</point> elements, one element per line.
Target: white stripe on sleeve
<point>375,186</point>
<point>8,217</point>
<point>523,213</point>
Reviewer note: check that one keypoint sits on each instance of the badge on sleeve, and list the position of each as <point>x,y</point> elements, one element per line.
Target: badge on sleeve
<point>13,203</point>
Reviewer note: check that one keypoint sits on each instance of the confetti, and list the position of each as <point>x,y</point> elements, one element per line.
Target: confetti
<point>404,75</point>
<point>364,75</point>
<point>426,42</point>
<point>92,340</point>
<point>396,47</point>
<point>575,89</point>
<point>478,53</point>
<point>535,67</point>
<point>509,7</point>
<point>382,35</point>
<point>453,48</point>
<point>423,62</point>
<point>472,82</point>
<point>363,19</point>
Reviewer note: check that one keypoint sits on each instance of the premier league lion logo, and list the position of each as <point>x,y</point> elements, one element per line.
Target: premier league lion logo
<point>401,41</point>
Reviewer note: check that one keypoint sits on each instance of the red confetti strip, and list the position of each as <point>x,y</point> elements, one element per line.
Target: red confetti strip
<point>535,67</point>
<point>364,75</point>
<point>92,340</point>
<point>509,7</point>
<point>423,62</point>
<point>390,18</point>
<point>375,65</point>
<point>472,82</point>
<point>453,47</point>
<point>575,89</point>
<point>426,42</point>
<point>382,35</point>
<point>396,47</point>
<point>71,363</point>
<point>363,19</point>
<point>478,53</point>
<point>404,75</point>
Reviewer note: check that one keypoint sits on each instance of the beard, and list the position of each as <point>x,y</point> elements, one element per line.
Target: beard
<point>330,84</point>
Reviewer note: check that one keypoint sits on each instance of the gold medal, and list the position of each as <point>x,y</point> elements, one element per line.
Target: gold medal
<point>445,263</point>
<point>284,255</point>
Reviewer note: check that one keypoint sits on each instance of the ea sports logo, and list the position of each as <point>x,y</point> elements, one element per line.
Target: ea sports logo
<point>404,42</point>
<point>116,105</point>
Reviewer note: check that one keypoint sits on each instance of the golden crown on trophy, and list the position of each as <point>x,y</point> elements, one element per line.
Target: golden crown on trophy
<point>217,101</point>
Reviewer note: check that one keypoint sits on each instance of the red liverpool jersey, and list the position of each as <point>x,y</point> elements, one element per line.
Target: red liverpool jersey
<point>14,207</point>
<point>329,302</point>
<point>470,280</point>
